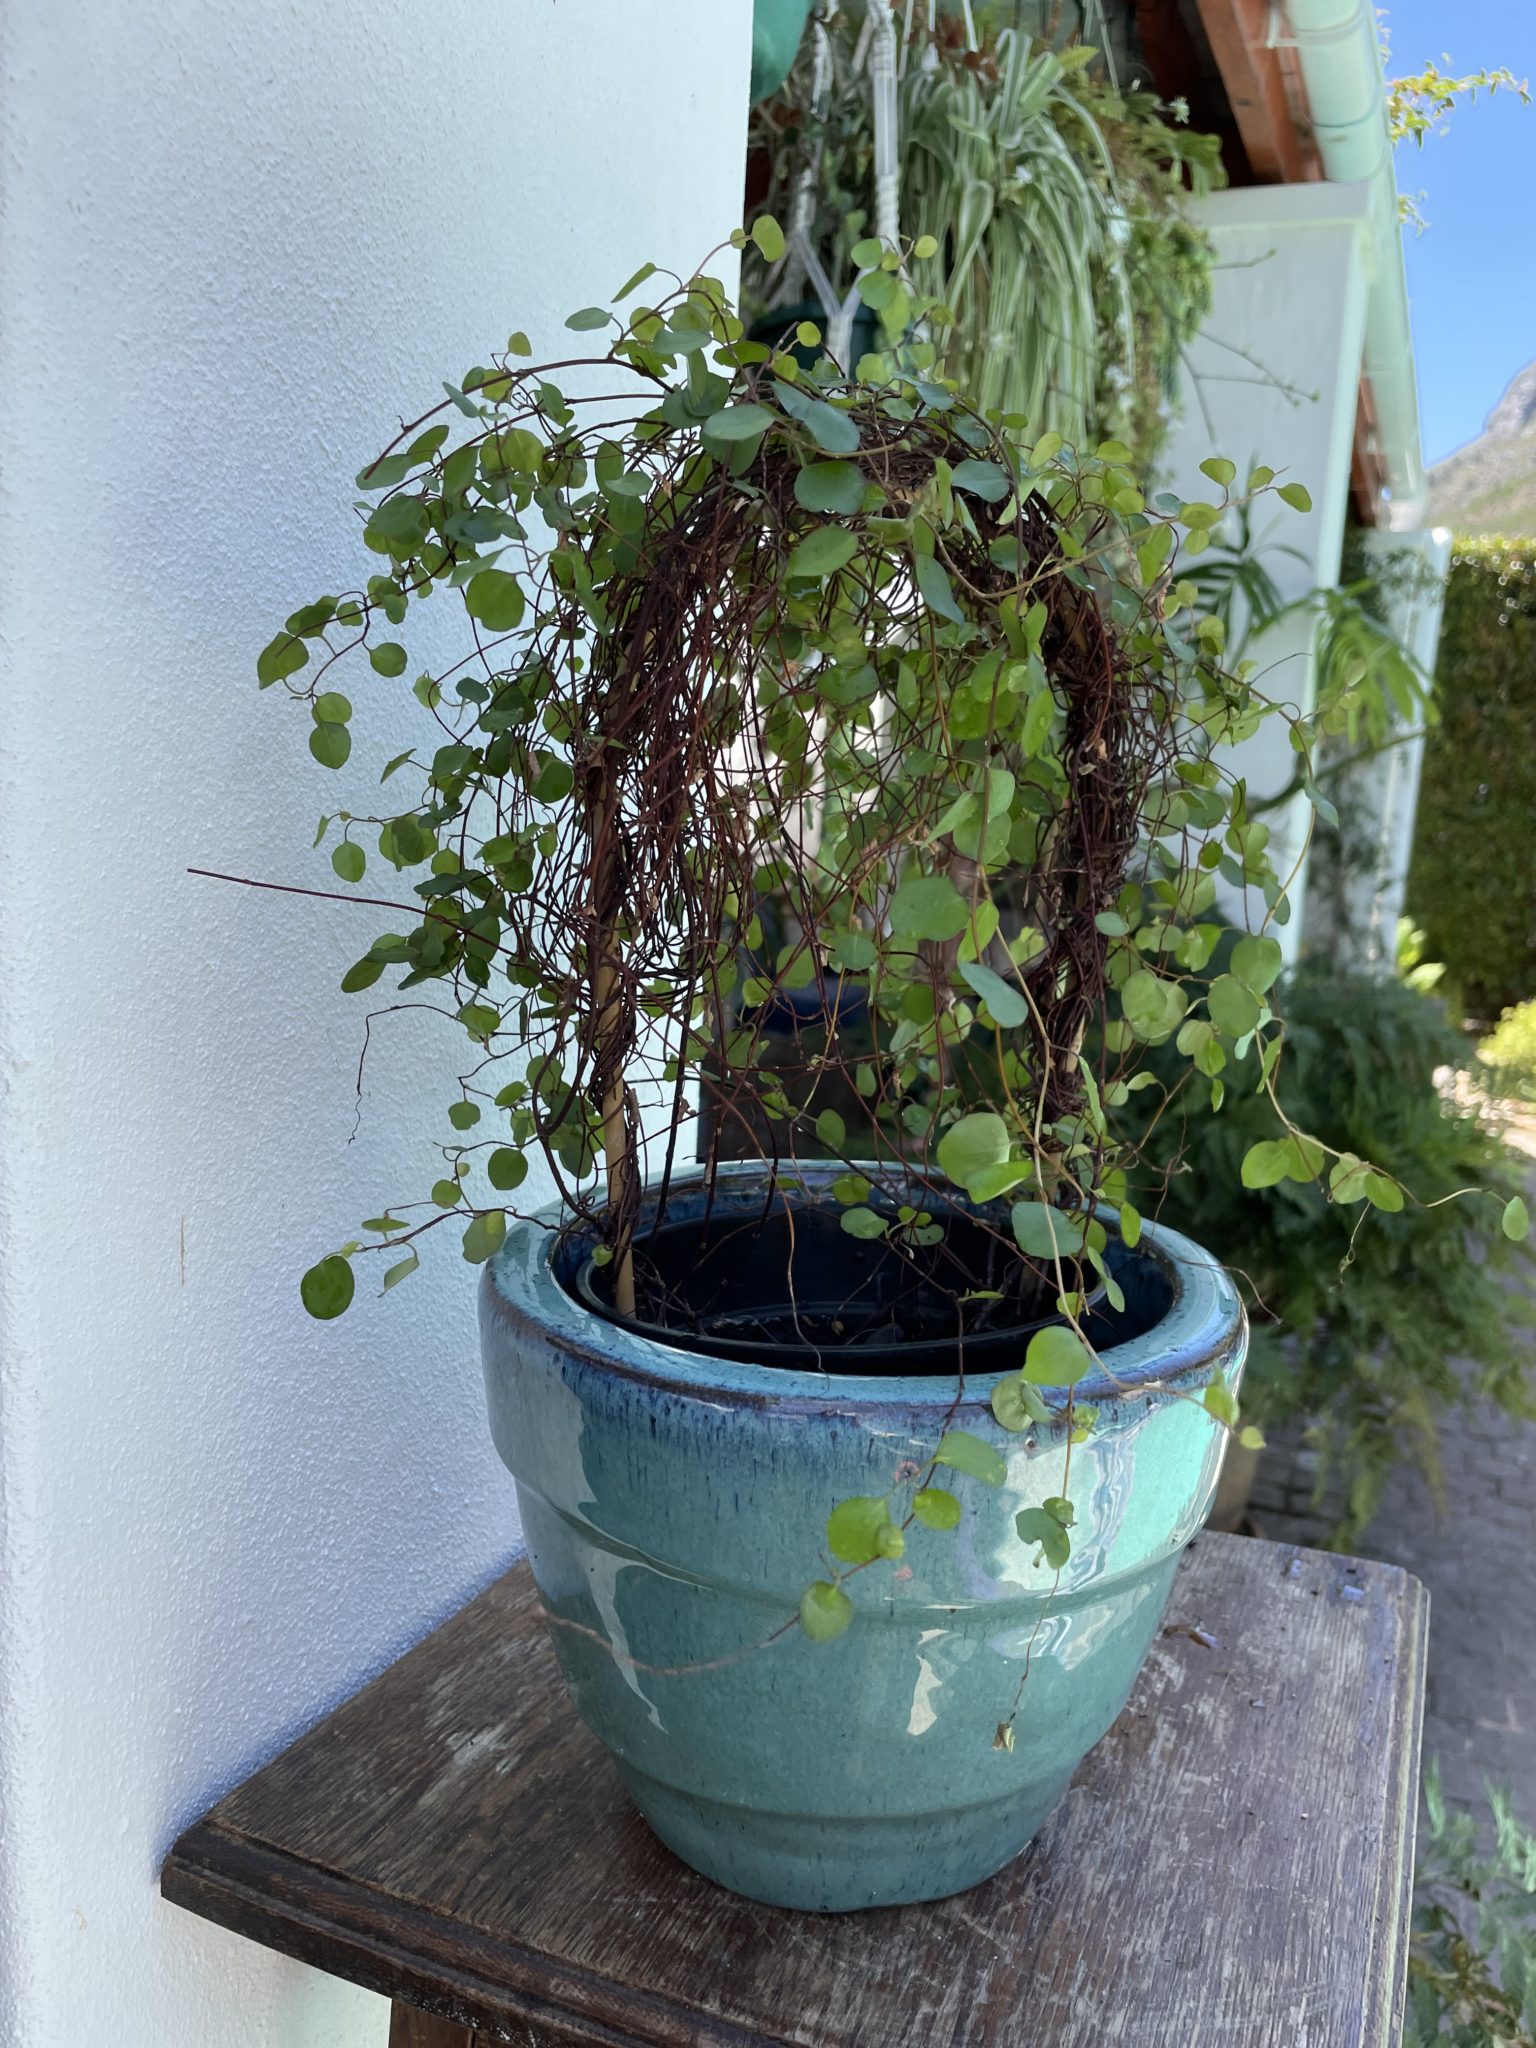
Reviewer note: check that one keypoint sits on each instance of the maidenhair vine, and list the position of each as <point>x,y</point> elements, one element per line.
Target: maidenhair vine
<point>760,677</point>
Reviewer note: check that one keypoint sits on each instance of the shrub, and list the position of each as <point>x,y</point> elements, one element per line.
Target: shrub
<point>1472,1964</point>
<point>1375,1355</point>
<point>1509,1051</point>
<point>1472,883</point>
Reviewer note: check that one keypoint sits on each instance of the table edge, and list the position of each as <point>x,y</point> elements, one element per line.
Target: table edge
<point>491,1982</point>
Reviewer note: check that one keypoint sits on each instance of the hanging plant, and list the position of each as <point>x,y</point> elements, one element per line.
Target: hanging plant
<point>1050,203</point>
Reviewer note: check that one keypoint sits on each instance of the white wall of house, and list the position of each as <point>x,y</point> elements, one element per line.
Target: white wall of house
<point>1272,379</point>
<point>235,243</point>
<point>1360,872</point>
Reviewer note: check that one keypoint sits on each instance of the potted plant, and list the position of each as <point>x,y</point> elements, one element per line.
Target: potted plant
<point>1048,205</point>
<point>854,1475</point>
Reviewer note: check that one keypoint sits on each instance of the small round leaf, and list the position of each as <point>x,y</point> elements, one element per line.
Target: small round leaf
<point>327,1288</point>
<point>825,1611</point>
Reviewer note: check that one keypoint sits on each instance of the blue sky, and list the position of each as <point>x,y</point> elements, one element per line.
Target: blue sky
<point>1471,274</point>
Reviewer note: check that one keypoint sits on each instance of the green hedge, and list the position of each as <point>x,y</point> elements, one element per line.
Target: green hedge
<point>1472,885</point>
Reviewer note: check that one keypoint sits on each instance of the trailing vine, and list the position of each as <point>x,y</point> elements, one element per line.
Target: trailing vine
<point>731,635</point>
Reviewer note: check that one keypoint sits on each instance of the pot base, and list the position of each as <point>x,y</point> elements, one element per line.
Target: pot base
<point>841,1864</point>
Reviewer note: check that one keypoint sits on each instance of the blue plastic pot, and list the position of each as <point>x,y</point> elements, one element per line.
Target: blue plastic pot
<point>674,1504</point>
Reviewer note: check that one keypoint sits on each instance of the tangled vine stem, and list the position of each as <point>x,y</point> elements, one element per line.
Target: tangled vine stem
<point>791,690</point>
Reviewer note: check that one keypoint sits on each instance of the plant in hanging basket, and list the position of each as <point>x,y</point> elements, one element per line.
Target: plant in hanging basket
<point>746,649</point>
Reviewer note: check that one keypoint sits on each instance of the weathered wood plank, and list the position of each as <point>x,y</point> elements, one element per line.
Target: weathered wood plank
<point>411,2028</point>
<point>1230,1866</point>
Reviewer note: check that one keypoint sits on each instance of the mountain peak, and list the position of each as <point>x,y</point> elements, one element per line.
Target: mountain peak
<point>1516,410</point>
<point>1490,485</point>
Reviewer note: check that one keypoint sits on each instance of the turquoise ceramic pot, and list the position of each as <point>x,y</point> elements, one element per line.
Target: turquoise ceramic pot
<point>673,1505</point>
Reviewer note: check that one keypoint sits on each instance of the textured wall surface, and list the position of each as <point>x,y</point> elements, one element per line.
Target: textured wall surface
<point>235,243</point>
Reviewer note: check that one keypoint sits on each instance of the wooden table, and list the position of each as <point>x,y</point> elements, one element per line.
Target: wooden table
<point>1231,1868</point>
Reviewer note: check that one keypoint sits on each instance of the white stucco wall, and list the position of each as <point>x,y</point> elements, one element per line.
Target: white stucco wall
<point>235,241</point>
<point>1272,379</point>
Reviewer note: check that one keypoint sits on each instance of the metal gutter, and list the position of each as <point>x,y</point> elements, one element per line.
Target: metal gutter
<point>1339,55</point>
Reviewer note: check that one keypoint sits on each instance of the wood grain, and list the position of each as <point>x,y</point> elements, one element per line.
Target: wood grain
<point>1264,90</point>
<point>409,2027</point>
<point>1231,1865</point>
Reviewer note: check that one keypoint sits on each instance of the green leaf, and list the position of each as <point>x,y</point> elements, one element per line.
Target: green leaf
<point>928,907</point>
<point>1035,727</point>
<point>1153,1007</point>
<point>834,431</point>
<point>976,1141</point>
<point>331,708</point>
<point>862,1223</point>
<point>1297,496</point>
<point>588,319</point>
<point>1250,1438</point>
<point>506,1169</point>
<point>1257,963</point>
<point>279,658</point>
<point>1130,1226</point>
<point>1043,1231</point>
<point>825,1611</point>
<point>830,487</point>
<point>1220,1401</point>
<point>1016,1404</point>
<point>861,1529</point>
<point>831,1130</point>
<point>634,282</point>
<point>1266,1164</point>
<point>938,592</point>
<point>327,1288</point>
<point>988,480</point>
<point>484,1236</point>
<point>463,1115</point>
<point>350,862</point>
<point>769,237</point>
<point>1515,1221</point>
<point>1040,1526</point>
<point>1219,470</point>
<point>1293,1157</point>
<point>739,422</point>
<point>362,975</point>
<point>395,1274</point>
<point>823,552</point>
<point>971,1455</point>
<point>854,951</point>
<point>993,1181</point>
<point>936,1508</point>
<point>480,1020</point>
<point>1057,1357</point>
<point>1382,1192</point>
<point>388,658</point>
<point>1232,1008</point>
<point>495,599</point>
<point>330,745</point>
<point>1006,1003</point>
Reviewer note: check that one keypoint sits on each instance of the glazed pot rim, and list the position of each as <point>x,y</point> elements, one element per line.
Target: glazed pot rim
<point>1201,1331</point>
